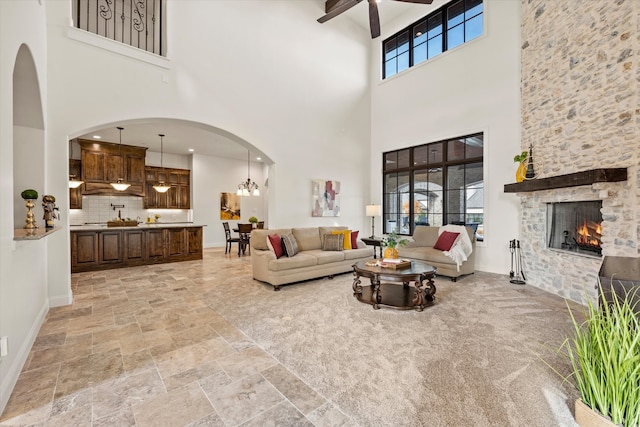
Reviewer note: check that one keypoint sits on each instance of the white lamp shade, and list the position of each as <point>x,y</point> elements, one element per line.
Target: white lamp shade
<point>373,210</point>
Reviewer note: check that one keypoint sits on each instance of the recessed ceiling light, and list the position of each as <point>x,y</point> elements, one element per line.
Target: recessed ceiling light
<point>96,137</point>
<point>191,150</point>
<point>258,158</point>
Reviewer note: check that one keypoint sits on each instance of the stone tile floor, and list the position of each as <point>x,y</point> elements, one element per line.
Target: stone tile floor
<point>142,346</point>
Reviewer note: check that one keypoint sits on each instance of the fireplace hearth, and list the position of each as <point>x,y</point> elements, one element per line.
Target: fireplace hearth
<point>575,227</point>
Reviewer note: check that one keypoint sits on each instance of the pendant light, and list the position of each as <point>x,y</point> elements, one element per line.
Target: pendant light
<point>73,182</point>
<point>161,187</point>
<point>120,185</point>
<point>248,187</point>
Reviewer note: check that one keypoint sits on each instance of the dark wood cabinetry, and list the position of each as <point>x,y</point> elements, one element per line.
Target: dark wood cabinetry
<point>110,248</point>
<point>75,194</point>
<point>177,197</point>
<point>105,162</point>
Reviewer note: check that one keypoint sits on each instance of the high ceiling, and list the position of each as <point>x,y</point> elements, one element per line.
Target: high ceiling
<point>181,136</point>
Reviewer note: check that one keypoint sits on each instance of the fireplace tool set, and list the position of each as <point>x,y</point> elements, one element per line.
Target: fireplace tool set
<point>517,277</point>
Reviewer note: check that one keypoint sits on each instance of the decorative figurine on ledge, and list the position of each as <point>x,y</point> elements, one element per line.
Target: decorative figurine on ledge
<point>530,172</point>
<point>50,208</point>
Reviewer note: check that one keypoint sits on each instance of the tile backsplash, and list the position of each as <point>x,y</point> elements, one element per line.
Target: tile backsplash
<point>98,209</point>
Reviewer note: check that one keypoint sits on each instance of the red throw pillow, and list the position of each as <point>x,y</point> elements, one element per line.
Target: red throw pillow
<point>354,239</point>
<point>446,240</point>
<point>276,244</point>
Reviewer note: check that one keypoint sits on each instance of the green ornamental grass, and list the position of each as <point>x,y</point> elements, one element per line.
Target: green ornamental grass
<point>605,359</point>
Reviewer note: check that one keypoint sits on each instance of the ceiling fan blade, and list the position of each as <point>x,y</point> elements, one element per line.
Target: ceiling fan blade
<point>417,1</point>
<point>338,10</point>
<point>374,19</point>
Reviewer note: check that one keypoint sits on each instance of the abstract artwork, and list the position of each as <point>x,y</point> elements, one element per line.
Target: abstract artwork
<point>229,206</point>
<point>325,197</point>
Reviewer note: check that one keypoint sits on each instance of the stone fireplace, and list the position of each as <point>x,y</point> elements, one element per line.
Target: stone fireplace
<point>580,112</point>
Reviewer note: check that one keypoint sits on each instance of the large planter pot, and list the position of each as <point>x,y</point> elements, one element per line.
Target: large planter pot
<point>587,417</point>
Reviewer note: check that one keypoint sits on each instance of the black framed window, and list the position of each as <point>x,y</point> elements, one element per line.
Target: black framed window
<point>453,24</point>
<point>434,184</point>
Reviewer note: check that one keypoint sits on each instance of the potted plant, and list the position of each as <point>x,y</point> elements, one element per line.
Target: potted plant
<point>391,242</point>
<point>521,172</point>
<point>253,220</point>
<point>604,359</point>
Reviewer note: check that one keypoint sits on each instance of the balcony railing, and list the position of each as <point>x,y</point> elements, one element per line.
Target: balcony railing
<point>138,23</point>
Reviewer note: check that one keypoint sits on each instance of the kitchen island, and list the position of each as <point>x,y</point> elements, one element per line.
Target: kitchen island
<point>98,247</point>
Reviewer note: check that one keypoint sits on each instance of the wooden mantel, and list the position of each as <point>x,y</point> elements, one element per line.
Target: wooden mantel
<point>570,180</point>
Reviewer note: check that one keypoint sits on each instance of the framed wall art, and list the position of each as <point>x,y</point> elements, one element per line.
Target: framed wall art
<point>325,197</point>
<point>229,206</point>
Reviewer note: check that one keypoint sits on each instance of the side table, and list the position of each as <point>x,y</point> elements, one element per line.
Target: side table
<point>375,242</point>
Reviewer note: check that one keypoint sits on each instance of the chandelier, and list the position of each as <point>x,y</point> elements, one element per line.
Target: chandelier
<point>248,187</point>
<point>120,185</point>
<point>161,187</point>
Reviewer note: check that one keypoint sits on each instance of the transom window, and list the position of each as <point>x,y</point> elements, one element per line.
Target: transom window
<point>452,25</point>
<point>434,184</point>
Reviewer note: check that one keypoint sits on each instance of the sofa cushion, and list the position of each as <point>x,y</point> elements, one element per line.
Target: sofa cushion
<point>354,239</point>
<point>327,257</point>
<point>426,254</point>
<point>346,240</point>
<point>259,237</point>
<point>298,261</point>
<point>425,235</point>
<point>274,242</point>
<point>364,251</point>
<point>446,240</point>
<point>328,230</point>
<point>290,244</point>
<point>332,242</point>
<point>307,238</point>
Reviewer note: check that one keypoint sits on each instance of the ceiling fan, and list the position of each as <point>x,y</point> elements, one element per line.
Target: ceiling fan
<point>334,8</point>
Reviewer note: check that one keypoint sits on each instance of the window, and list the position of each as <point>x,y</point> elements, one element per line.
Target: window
<point>452,25</point>
<point>434,184</point>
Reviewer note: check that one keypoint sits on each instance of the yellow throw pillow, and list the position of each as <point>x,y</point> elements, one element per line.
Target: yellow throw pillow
<point>347,237</point>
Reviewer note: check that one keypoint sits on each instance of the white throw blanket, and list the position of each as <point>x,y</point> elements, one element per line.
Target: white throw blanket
<point>461,248</point>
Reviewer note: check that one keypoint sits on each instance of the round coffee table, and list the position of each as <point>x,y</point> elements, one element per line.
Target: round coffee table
<point>384,289</point>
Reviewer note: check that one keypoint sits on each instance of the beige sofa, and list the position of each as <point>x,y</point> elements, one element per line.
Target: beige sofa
<point>420,247</point>
<point>309,263</point>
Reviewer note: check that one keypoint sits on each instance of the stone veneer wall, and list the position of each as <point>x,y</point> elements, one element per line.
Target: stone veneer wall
<point>580,111</point>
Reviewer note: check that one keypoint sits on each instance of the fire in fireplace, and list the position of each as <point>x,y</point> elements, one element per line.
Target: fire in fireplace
<point>575,226</point>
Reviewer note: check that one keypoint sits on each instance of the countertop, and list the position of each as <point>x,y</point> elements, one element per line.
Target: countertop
<point>144,225</point>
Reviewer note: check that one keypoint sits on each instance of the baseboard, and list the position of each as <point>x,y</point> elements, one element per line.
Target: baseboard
<point>11,378</point>
<point>61,300</point>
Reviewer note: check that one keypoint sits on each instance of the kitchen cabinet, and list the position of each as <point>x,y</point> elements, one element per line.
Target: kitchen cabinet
<point>84,250</point>
<point>104,162</point>
<point>177,197</point>
<point>75,194</point>
<point>107,248</point>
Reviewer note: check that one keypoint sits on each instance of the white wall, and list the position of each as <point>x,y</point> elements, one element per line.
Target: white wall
<point>473,88</point>
<point>23,265</point>
<point>215,175</point>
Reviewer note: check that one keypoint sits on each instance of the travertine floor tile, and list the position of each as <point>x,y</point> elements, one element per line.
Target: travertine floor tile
<point>187,404</point>
<point>244,399</point>
<point>145,346</point>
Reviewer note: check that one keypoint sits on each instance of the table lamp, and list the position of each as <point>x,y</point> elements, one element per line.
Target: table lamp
<point>373,211</point>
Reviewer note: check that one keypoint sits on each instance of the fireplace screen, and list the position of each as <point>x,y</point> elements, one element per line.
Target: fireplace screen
<point>575,227</point>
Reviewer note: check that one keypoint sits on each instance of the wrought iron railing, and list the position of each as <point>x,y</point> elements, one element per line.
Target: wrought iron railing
<point>138,23</point>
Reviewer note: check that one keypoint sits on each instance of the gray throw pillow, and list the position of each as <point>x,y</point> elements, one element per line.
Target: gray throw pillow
<point>333,242</point>
<point>290,244</point>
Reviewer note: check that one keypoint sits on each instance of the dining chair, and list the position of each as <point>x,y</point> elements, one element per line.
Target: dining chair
<point>229,239</point>
<point>245,237</point>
